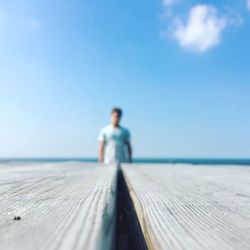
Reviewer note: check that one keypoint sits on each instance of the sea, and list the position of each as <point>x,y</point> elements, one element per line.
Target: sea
<point>193,161</point>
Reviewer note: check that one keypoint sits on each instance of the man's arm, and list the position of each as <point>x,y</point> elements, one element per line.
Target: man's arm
<point>129,151</point>
<point>101,152</point>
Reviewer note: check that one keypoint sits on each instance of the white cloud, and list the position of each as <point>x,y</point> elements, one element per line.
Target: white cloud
<point>35,23</point>
<point>202,30</point>
<point>248,4</point>
<point>169,3</point>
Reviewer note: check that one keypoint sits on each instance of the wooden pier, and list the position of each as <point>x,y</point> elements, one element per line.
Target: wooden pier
<point>188,207</point>
<point>57,206</point>
<point>74,205</point>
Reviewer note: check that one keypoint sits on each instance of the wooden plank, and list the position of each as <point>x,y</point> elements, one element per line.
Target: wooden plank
<point>62,206</point>
<point>188,207</point>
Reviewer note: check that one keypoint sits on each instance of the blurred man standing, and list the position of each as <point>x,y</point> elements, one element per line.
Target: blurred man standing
<point>114,141</point>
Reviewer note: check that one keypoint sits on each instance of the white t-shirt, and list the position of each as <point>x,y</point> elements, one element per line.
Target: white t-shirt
<point>115,144</point>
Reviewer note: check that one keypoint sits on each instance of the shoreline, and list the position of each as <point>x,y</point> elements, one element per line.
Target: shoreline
<point>189,161</point>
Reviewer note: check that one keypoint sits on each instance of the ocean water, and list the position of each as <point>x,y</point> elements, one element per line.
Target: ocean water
<point>193,161</point>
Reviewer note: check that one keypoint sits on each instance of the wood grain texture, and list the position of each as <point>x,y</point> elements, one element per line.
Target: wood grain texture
<point>62,206</point>
<point>188,207</point>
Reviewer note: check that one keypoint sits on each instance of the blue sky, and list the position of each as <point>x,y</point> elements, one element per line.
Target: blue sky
<point>180,69</point>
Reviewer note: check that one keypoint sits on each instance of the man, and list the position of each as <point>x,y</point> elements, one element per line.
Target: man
<point>114,141</point>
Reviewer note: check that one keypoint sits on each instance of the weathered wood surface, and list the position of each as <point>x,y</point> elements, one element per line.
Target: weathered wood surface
<point>185,207</point>
<point>62,206</point>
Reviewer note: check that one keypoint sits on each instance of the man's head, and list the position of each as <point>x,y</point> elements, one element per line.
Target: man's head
<point>116,115</point>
